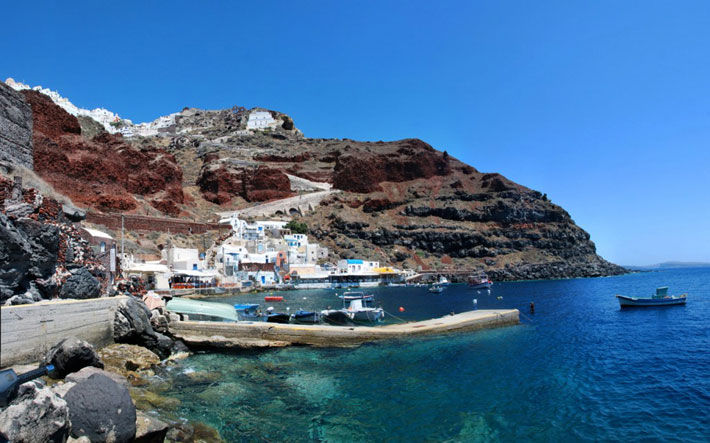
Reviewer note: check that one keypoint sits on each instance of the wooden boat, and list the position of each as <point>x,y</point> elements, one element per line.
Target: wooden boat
<point>661,298</point>
<point>249,312</point>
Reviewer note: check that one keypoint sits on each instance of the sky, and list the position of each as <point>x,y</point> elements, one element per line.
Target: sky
<point>604,105</point>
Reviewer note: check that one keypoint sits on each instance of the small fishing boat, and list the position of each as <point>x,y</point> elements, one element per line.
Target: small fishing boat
<point>276,317</point>
<point>336,317</point>
<point>443,281</point>
<point>352,295</point>
<point>480,281</point>
<point>249,312</point>
<point>360,311</point>
<point>273,298</point>
<point>305,317</point>
<point>436,288</point>
<point>660,298</point>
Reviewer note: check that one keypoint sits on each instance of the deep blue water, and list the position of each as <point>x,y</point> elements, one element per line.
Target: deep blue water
<point>578,369</point>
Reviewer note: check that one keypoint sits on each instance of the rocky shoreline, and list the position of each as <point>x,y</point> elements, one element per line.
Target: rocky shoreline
<point>102,396</point>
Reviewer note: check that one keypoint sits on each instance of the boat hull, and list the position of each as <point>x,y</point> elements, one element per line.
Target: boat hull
<point>630,302</point>
<point>368,316</point>
<point>484,285</point>
<point>336,318</point>
<point>306,318</point>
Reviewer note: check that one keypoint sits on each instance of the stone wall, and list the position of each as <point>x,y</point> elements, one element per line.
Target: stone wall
<point>28,331</point>
<point>15,128</point>
<point>145,223</point>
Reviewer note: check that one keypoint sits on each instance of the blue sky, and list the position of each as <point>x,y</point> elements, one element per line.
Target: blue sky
<point>604,105</point>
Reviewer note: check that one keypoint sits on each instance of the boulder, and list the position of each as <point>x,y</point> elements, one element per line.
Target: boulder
<point>132,325</point>
<point>85,373</point>
<point>36,415</point>
<point>71,355</point>
<point>81,284</point>
<point>101,410</point>
<point>124,358</point>
<point>150,429</point>
<point>15,254</point>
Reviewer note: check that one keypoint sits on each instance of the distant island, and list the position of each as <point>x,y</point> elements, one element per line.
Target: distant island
<point>671,265</point>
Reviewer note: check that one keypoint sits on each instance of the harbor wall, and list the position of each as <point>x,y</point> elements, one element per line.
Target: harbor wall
<point>27,332</point>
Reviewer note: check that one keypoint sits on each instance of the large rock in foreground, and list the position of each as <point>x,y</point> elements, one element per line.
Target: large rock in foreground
<point>71,355</point>
<point>36,415</point>
<point>102,410</point>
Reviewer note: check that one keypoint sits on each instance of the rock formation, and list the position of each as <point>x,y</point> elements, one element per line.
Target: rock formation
<point>71,355</point>
<point>37,414</point>
<point>105,172</point>
<point>132,325</point>
<point>101,410</point>
<point>402,202</point>
<point>15,128</point>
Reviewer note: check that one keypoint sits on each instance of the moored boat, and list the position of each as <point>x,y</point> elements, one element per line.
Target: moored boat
<point>273,298</point>
<point>480,281</point>
<point>660,298</point>
<point>305,317</point>
<point>436,288</point>
<point>249,312</point>
<point>336,317</point>
<point>359,311</point>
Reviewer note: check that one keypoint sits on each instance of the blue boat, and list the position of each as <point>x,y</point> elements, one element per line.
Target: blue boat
<point>305,317</point>
<point>661,298</point>
<point>249,312</point>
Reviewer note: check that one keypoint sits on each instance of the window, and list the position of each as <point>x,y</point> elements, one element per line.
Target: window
<point>103,246</point>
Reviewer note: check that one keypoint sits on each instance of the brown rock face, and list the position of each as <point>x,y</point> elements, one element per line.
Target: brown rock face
<point>220,183</point>
<point>104,172</point>
<point>413,160</point>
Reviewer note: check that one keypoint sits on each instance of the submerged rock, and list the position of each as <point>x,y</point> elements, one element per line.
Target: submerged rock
<point>102,410</point>
<point>71,355</point>
<point>37,415</point>
<point>129,361</point>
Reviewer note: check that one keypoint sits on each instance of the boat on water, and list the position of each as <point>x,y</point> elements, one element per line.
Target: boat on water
<point>660,298</point>
<point>273,298</point>
<point>480,281</point>
<point>276,317</point>
<point>357,308</point>
<point>305,317</point>
<point>196,310</point>
<point>249,312</point>
<point>336,317</point>
<point>443,281</point>
<point>436,288</point>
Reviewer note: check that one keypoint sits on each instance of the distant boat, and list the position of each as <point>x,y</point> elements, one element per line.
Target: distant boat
<point>273,298</point>
<point>443,281</point>
<point>352,295</point>
<point>305,317</point>
<point>480,281</point>
<point>436,288</point>
<point>661,298</point>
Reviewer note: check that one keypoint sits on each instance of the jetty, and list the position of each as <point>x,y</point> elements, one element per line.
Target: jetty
<point>263,335</point>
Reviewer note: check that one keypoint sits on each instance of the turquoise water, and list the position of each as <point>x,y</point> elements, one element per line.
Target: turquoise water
<point>578,369</point>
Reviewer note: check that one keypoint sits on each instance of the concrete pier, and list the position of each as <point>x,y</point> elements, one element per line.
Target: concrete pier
<point>260,334</point>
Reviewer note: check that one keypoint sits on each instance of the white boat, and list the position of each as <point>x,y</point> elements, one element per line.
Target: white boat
<point>359,309</point>
<point>443,281</point>
<point>661,298</point>
<point>436,288</point>
<point>480,281</point>
<point>360,313</point>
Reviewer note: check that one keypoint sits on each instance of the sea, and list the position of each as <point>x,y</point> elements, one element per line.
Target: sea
<point>577,369</point>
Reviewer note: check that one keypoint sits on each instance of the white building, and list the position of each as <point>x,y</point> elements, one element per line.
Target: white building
<point>182,259</point>
<point>260,120</point>
<point>357,266</point>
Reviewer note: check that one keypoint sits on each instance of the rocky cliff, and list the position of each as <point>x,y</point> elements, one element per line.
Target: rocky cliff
<point>15,128</point>
<point>402,202</point>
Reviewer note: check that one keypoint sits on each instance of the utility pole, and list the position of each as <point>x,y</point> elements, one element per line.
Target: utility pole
<point>123,256</point>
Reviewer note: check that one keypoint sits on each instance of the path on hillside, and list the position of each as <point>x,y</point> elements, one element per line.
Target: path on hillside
<point>300,204</point>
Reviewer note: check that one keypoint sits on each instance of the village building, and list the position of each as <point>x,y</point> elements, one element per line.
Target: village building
<point>260,120</point>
